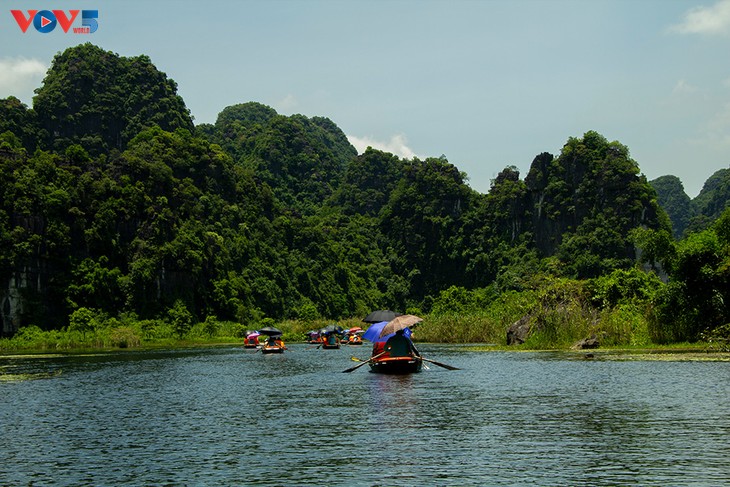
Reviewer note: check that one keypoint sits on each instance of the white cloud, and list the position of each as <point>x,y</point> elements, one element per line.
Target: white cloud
<point>683,87</point>
<point>706,20</point>
<point>717,129</point>
<point>20,76</point>
<point>286,104</point>
<point>397,145</point>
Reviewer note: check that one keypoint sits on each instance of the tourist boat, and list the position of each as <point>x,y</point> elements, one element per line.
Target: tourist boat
<point>331,341</point>
<point>396,365</point>
<point>354,340</point>
<point>313,337</point>
<point>272,348</point>
<point>273,345</point>
<point>251,340</point>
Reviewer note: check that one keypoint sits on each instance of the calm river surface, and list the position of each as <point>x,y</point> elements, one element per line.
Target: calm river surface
<point>226,416</point>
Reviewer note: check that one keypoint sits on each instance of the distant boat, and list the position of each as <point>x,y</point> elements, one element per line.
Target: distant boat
<point>331,340</point>
<point>354,340</point>
<point>251,340</point>
<point>272,348</point>
<point>273,345</point>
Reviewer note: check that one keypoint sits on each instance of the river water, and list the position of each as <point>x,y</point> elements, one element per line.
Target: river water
<point>225,416</point>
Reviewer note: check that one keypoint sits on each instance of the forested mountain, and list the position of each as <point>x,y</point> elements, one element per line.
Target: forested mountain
<point>696,214</point>
<point>112,200</point>
<point>302,159</point>
<point>673,199</point>
<point>101,101</point>
<point>713,199</point>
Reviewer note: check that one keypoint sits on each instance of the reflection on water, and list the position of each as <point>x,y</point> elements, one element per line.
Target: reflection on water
<point>234,417</point>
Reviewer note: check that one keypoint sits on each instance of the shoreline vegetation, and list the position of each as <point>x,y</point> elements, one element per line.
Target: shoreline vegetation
<point>695,352</point>
<point>617,312</point>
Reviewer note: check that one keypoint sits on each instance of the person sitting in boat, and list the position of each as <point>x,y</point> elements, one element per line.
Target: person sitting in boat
<point>331,339</point>
<point>399,345</point>
<point>378,347</point>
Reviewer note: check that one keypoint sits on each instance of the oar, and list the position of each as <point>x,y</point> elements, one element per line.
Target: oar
<point>446,366</point>
<point>363,363</point>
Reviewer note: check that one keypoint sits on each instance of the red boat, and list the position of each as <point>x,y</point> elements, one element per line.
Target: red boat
<point>272,349</point>
<point>396,365</point>
<point>354,340</point>
<point>331,341</point>
<point>273,345</point>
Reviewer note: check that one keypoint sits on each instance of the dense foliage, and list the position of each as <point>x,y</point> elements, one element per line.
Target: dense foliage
<point>693,215</point>
<point>121,220</point>
<point>671,197</point>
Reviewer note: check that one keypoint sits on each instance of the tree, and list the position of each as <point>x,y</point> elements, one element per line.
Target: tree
<point>697,297</point>
<point>83,320</point>
<point>16,119</point>
<point>180,318</point>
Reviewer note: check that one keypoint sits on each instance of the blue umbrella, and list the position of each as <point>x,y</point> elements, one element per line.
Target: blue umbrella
<point>373,333</point>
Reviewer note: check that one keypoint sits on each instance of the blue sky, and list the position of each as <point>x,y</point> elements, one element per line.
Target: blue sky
<point>487,83</point>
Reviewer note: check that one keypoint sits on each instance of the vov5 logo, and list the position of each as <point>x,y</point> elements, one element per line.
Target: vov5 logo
<point>45,21</point>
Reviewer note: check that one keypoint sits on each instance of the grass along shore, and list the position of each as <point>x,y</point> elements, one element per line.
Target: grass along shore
<point>486,332</point>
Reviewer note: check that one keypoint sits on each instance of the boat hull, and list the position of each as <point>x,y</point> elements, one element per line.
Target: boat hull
<point>396,365</point>
<point>272,350</point>
<point>330,346</point>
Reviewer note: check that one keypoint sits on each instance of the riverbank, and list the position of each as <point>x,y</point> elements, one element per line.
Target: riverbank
<point>473,331</point>
<point>695,352</point>
<point>673,352</point>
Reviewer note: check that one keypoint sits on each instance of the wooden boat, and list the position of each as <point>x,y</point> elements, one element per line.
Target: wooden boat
<point>251,341</point>
<point>273,346</point>
<point>396,365</point>
<point>331,341</point>
<point>272,349</point>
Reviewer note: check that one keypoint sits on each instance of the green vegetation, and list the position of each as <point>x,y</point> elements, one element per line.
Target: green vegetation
<point>122,224</point>
<point>694,215</point>
<point>671,197</point>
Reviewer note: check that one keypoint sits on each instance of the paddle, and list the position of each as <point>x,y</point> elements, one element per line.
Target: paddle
<point>446,366</point>
<point>363,363</point>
